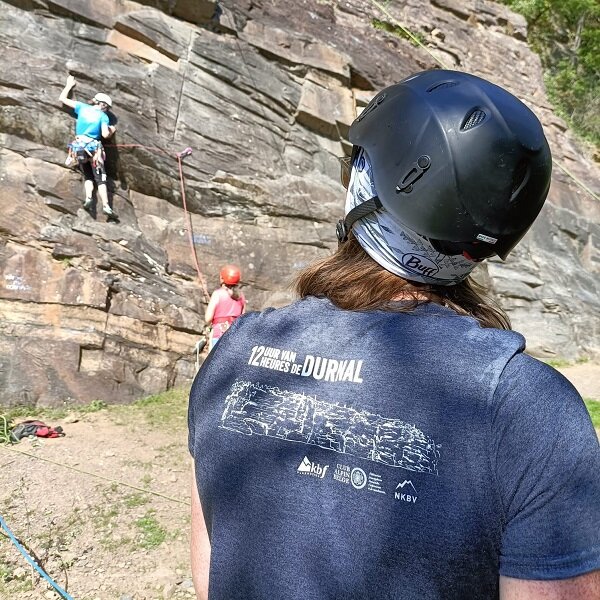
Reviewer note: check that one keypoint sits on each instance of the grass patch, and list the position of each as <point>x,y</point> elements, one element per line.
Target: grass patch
<point>163,410</point>
<point>558,363</point>
<point>561,363</point>
<point>15,413</point>
<point>102,517</point>
<point>10,587</point>
<point>593,407</point>
<point>160,410</point>
<point>153,534</point>
<point>133,500</point>
<point>415,37</point>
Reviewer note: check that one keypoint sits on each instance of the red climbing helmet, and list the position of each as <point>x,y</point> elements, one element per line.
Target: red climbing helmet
<point>230,275</point>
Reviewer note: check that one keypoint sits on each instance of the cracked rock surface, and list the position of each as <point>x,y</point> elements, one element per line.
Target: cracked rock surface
<point>264,93</point>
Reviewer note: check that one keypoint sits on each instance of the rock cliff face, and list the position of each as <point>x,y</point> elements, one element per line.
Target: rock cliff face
<point>263,92</point>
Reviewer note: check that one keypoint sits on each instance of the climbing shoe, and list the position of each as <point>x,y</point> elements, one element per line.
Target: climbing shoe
<point>87,204</point>
<point>109,212</point>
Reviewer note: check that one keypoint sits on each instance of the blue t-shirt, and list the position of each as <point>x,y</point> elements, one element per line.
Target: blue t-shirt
<point>380,455</point>
<point>89,120</point>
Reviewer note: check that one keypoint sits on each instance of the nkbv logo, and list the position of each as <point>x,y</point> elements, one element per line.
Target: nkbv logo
<point>310,468</point>
<point>406,492</point>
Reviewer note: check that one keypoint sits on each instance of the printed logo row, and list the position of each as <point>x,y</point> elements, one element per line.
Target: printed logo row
<point>359,479</point>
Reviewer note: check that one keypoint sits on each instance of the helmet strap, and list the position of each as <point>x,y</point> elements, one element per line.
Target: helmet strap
<point>344,226</point>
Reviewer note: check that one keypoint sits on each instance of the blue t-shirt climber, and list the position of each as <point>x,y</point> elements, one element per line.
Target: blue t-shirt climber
<point>90,120</point>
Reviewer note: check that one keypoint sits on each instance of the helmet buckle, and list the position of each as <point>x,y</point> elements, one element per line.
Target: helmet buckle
<point>342,231</point>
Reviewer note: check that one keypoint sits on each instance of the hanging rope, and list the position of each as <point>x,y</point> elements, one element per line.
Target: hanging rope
<point>179,156</point>
<point>576,180</point>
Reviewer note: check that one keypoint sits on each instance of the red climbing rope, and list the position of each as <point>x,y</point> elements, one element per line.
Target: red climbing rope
<point>179,156</point>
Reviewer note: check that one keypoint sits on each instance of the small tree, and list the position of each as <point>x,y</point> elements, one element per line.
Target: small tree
<point>566,35</point>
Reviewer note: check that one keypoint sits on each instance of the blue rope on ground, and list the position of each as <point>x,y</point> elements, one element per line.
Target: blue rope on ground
<point>32,562</point>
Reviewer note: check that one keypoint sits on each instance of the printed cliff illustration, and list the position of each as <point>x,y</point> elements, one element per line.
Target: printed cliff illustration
<point>255,409</point>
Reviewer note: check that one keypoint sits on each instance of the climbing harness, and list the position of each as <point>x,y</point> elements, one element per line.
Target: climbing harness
<point>84,149</point>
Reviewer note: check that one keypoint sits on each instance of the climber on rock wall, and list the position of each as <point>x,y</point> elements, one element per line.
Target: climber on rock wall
<point>226,303</point>
<point>86,149</point>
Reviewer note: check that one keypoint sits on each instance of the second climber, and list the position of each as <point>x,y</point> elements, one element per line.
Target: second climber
<point>226,303</point>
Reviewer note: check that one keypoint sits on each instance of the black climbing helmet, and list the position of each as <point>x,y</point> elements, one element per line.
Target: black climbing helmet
<point>456,159</point>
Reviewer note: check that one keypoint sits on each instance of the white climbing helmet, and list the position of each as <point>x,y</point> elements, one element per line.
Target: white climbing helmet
<point>100,97</point>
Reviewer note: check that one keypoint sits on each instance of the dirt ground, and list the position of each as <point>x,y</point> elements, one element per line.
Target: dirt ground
<point>97,537</point>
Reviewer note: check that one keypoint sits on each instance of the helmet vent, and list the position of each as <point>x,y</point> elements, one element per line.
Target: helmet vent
<point>520,178</point>
<point>475,118</point>
<point>441,86</point>
<point>372,106</point>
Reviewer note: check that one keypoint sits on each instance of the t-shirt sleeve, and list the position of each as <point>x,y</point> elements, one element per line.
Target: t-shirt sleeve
<point>104,120</point>
<point>77,107</point>
<point>547,461</point>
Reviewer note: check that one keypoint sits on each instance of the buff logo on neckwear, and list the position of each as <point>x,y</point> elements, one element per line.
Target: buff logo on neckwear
<point>420,265</point>
<point>395,247</point>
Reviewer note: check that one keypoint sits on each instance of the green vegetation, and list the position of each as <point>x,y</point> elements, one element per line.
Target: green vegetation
<point>133,500</point>
<point>164,409</point>
<point>593,407</point>
<point>6,577</point>
<point>566,35</point>
<point>415,37</point>
<point>15,413</point>
<point>5,574</point>
<point>161,410</point>
<point>561,363</point>
<point>153,534</point>
<point>558,363</point>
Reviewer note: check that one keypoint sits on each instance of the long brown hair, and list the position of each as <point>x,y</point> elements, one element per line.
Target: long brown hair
<point>352,280</point>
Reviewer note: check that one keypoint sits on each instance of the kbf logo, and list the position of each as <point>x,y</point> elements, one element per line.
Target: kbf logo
<point>308,467</point>
<point>420,265</point>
